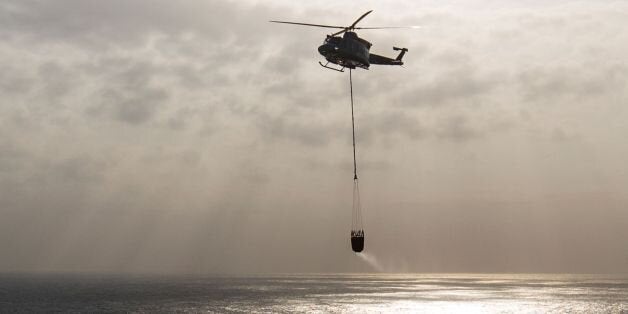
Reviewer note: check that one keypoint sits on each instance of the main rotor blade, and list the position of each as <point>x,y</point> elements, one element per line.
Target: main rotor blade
<point>359,19</point>
<point>340,32</point>
<point>306,24</point>
<point>387,27</point>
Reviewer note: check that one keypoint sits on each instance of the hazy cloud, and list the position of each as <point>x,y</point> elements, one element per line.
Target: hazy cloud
<point>161,136</point>
<point>585,81</point>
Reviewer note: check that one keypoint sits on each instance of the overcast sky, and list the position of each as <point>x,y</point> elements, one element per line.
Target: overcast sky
<point>194,136</point>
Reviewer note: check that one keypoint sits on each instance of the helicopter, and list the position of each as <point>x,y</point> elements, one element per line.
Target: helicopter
<point>351,51</point>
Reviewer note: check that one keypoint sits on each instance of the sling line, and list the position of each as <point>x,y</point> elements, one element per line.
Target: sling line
<point>355,167</point>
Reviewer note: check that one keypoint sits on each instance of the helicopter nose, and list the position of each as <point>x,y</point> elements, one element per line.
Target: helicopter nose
<point>325,49</point>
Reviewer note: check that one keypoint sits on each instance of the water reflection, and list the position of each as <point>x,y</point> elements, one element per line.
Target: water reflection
<point>433,293</point>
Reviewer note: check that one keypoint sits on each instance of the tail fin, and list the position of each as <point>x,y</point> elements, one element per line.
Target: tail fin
<point>403,52</point>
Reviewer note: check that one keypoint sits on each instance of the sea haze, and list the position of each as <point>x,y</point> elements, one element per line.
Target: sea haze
<point>359,293</point>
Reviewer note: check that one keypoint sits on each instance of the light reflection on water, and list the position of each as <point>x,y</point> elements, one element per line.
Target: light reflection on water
<point>427,293</point>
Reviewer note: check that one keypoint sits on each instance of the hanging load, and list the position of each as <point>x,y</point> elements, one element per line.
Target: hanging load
<point>357,229</point>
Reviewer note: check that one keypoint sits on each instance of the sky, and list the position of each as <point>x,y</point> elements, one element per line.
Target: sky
<point>195,137</point>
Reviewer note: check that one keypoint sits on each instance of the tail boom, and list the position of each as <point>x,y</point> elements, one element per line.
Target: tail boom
<point>377,59</point>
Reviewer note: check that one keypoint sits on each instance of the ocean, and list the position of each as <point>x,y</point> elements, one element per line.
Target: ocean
<point>312,293</point>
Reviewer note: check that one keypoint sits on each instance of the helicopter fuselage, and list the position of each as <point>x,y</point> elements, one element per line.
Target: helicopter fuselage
<point>349,51</point>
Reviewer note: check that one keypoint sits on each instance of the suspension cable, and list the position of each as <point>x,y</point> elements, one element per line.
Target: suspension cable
<point>355,167</point>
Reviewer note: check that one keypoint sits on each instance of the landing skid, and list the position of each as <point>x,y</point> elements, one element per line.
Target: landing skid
<point>325,66</point>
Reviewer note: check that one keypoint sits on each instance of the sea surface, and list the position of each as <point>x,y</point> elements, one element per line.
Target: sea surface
<point>338,293</point>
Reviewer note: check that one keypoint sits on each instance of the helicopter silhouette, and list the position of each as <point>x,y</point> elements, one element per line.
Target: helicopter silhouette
<point>351,51</point>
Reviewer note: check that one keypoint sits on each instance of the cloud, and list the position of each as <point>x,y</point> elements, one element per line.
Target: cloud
<point>457,128</point>
<point>136,134</point>
<point>93,21</point>
<point>548,84</point>
<point>11,158</point>
<point>13,81</point>
<point>384,126</point>
<point>454,86</point>
<point>309,132</point>
<point>131,107</point>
